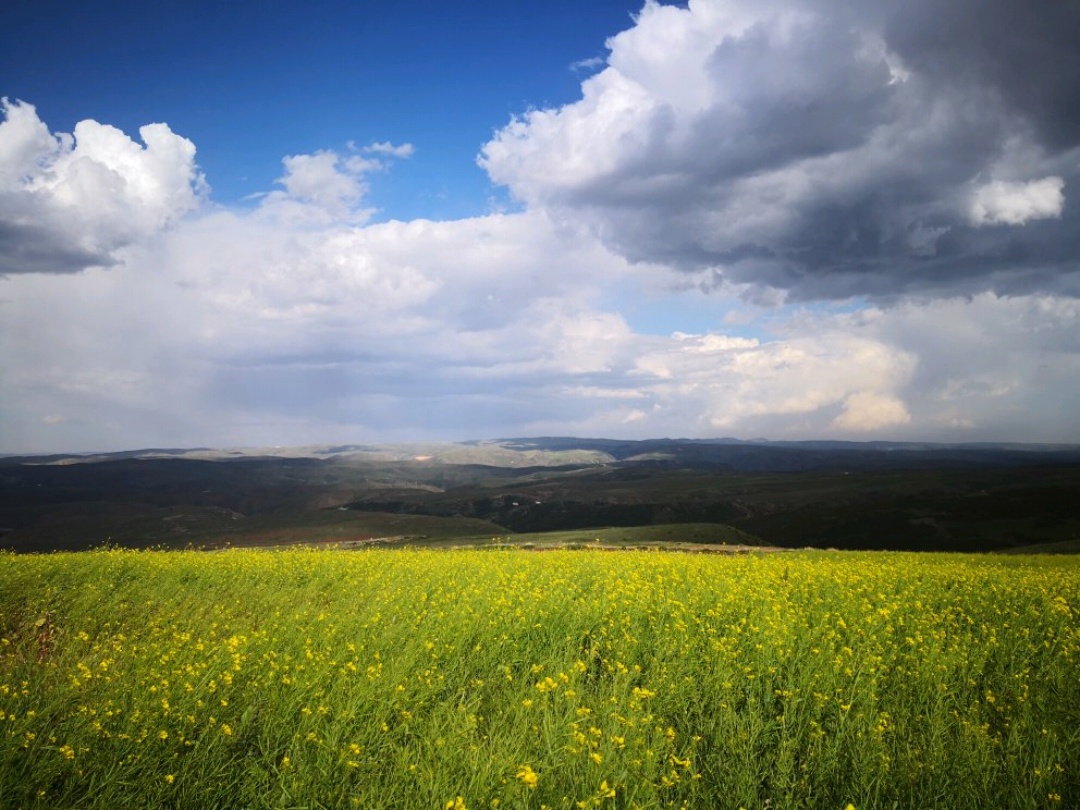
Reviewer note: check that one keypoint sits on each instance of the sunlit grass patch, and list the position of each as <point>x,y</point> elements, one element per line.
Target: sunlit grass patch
<point>565,679</point>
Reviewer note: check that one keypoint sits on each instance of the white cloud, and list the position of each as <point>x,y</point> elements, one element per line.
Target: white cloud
<point>327,187</point>
<point>232,329</point>
<point>323,186</point>
<point>681,104</point>
<point>70,201</point>
<point>1005,203</point>
<point>824,150</point>
<point>237,324</point>
<point>323,178</point>
<point>404,150</point>
<point>300,321</point>
<point>735,383</point>
<point>25,144</point>
<point>867,412</point>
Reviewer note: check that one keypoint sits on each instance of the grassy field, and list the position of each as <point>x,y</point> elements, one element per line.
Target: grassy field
<point>569,679</point>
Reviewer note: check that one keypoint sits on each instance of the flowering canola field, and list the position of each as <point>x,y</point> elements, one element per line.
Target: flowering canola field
<point>510,679</point>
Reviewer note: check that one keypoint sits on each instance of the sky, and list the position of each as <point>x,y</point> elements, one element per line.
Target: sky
<point>251,224</point>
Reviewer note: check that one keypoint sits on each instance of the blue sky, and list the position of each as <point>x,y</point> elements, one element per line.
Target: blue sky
<point>250,82</point>
<point>241,224</point>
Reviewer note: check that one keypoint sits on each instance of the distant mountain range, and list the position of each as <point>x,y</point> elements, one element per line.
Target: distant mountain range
<point>873,495</point>
<point>723,453</point>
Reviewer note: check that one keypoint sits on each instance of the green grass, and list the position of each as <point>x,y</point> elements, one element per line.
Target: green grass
<point>409,678</point>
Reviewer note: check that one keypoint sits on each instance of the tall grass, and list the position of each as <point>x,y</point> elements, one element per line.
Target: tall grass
<point>487,679</point>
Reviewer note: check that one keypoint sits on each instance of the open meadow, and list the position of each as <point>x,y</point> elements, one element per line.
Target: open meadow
<point>560,679</point>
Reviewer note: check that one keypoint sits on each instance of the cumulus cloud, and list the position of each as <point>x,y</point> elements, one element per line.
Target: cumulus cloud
<point>867,412</point>
<point>231,329</point>
<point>325,182</point>
<point>768,150</point>
<point>68,202</point>
<point>737,382</point>
<point>823,150</point>
<point>246,329</point>
<point>328,186</point>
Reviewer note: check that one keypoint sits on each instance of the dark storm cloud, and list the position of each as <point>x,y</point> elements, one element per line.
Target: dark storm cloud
<point>35,249</point>
<point>844,253</point>
<point>1027,50</point>
<point>827,150</point>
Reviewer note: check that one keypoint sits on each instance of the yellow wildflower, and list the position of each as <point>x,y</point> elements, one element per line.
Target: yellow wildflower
<point>527,775</point>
